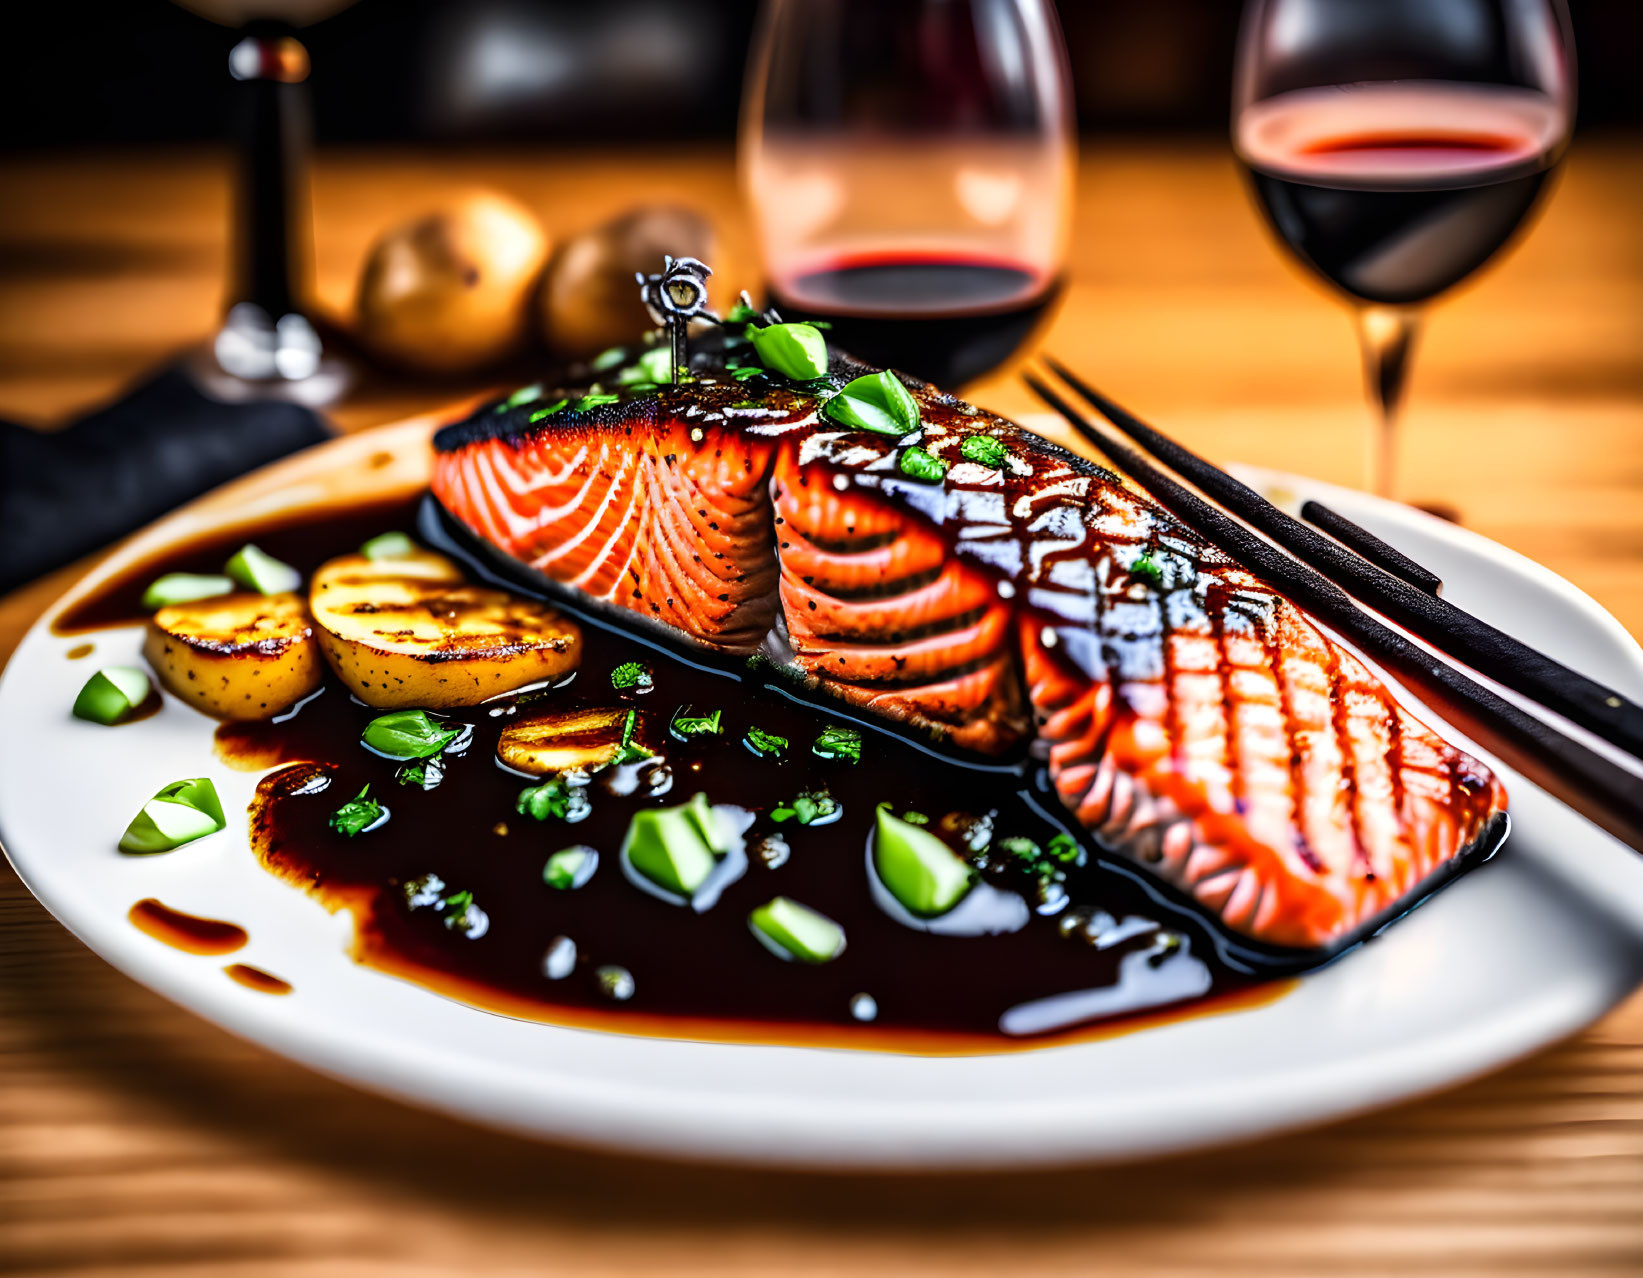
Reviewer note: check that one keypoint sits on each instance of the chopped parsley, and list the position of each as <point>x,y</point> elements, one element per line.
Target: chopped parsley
<point>632,676</point>
<point>359,814</point>
<point>1043,862</point>
<point>839,743</point>
<point>459,914</point>
<point>984,450</point>
<point>767,745</point>
<point>687,724</point>
<point>556,799</point>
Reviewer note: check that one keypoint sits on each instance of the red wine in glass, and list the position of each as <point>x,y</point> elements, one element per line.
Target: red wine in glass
<point>1396,192</point>
<point>943,317</point>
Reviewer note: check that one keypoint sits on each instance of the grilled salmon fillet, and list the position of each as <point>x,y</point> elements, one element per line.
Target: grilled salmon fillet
<point>1190,717</point>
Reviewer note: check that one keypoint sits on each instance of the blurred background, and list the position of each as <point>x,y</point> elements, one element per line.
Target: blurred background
<point>457,72</point>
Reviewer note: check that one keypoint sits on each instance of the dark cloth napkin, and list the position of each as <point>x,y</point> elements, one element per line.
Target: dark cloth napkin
<point>64,493</point>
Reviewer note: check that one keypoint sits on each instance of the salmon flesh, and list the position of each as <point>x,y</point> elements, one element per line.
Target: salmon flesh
<point>1190,718</point>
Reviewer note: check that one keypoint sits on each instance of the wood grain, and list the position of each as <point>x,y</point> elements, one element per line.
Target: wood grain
<point>136,1140</point>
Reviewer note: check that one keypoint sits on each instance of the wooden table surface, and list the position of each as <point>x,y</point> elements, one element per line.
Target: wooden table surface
<point>135,1139</point>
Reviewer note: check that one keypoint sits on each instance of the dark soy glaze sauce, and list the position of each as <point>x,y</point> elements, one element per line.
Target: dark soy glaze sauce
<point>695,975</point>
<point>81,650</point>
<point>189,932</point>
<point>254,978</point>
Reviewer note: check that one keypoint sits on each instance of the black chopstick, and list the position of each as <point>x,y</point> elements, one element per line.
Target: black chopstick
<point>1596,787</point>
<point>1468,639</point>
<point>1359,540</point>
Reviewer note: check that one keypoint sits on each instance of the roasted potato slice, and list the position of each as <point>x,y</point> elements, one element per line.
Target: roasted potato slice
<point>548,743</point>
<point>410,631</point>
<point>237,656</point>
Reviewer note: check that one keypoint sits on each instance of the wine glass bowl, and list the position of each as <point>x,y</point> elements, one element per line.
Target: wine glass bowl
<point>909,167</point>
<point>1396,146</point>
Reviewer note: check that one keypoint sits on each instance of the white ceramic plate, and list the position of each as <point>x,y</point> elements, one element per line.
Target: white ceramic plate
<point>1530,948</point>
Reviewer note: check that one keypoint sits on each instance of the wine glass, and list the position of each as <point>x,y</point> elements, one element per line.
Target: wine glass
<point>909,165</point>
<point>1395,146</point>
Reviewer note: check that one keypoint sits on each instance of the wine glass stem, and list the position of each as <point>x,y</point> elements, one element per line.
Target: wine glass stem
<point>1387,335</point>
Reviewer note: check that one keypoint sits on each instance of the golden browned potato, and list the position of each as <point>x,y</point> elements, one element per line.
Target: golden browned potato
<point>559,740</point>
<point>236,656</point>
<point>410,631</point>
<point>451,291</point>
<point>589,300</point>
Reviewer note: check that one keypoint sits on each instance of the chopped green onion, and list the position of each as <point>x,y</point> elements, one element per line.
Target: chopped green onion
<point>1064,848</point>
<point>811,807</point>
<point>984,450</point>
<point>766,745</point>
<point>111,695</point>
<point>676,848</point>
<point>1146,568</point>
<point>796,931</point>
<point>746,374</point>
<point>686,725</point>
<point>538,414</point>
<point>920,870</point>
<point>530,394</point>
<point>554,798</point>
<point>877,402</point>
<point>359,814</point>
<point>407,734</point>
<point>256,569</point>
<point>184,587</point>
<point>570,868</point>
<point>632,676</point>
<point>1045,862</point>
<point>838,743</point>
<point>424,774</point>
<point>609,358</point>
<point>594,401</point>
<point>627,750</point>
<point>178,813</point>
<point>798,351</point>
<point>388,545</point>
<point>926,467</point>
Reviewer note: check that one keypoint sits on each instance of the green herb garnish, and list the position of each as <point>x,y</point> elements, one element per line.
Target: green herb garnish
<point>554,798</point>
<point>424,774</point>
<point>984,450</point>
<point>549,411</point>
<point>609,358</point>
<point>388,545</point>
<point>915,818</point>
<point>747,374</point>
<point>460,914</point>
<point>594,401</point>
<point>796,931</point>
<point>359,814</point>
<point>632,676</point>
<point>811,807</point>
<point>529,394</point>
<point>877,402</point>
<point>1044,862</point>
<point>570,868</point>
<point>178,813</point>
<point>838,743</point>
<point>741,313</point>
<point>1146,568</point>
<point>798,351</point>
<point>654,366</point>
<point>256,569</point>
<point>111,694</point>
<point>767,745</point>
<point>627,750</point>
<point>926,467</point>
<point>407,734</point>
<point>183,587</point>
<point>686,725</point>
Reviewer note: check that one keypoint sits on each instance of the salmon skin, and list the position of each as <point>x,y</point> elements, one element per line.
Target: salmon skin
<point>1192,721</point>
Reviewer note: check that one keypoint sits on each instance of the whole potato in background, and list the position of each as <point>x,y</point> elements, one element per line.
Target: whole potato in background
<point>451,291</point>
<point>589,300</point>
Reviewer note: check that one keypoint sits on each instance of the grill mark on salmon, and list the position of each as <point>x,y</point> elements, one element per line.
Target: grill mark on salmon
<point>1188,717</point>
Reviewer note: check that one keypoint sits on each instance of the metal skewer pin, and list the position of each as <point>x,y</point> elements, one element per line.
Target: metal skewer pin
<point>674,298</point>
